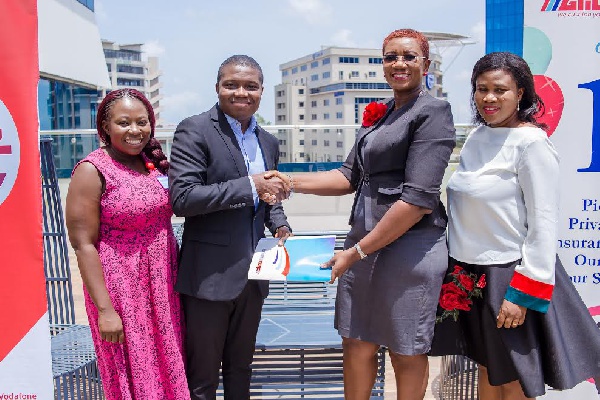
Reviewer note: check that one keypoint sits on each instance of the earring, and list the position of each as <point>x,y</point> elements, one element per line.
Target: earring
<point>518,107</point>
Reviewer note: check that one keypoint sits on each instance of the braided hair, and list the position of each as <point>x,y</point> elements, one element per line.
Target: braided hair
<point>152,150</point>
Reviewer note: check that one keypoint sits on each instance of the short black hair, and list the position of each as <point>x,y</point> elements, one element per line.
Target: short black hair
<point>241,60</point>
<point>531,105</point>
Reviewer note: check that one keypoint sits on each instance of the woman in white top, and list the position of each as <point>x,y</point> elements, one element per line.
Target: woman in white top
<point>527,326</point>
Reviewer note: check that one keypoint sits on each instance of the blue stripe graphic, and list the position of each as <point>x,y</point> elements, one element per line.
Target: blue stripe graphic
<point>556,4</point>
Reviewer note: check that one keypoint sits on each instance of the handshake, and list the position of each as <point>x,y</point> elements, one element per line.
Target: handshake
<point>273,186</point>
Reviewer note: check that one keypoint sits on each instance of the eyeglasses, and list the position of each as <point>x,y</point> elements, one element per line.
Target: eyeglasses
<point>406,58</point>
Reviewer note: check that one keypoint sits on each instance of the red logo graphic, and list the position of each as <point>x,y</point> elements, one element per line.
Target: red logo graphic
<point>9,152</point>
<point>553,99</point>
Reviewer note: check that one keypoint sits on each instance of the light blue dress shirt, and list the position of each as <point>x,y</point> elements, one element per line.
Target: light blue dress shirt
<point>253,157</point>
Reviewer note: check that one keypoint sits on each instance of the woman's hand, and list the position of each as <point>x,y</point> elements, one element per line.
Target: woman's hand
<point>340,262</point>
<point>511,315</point>
<point>111,326</point>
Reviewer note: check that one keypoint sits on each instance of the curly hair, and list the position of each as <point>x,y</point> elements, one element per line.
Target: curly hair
<point>531,105</point>
<point>152,150</point>
<point>409,33</point>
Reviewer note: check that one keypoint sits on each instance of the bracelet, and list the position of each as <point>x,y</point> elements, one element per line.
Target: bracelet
<point>360,252</point>
<point>291,185</point>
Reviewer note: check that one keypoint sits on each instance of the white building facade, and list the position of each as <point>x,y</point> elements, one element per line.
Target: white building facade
<point>130,67</point>
<point>329,90</point>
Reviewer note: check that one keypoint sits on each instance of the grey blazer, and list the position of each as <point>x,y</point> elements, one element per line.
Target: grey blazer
<point>209,186</point>
<point>405,160</point>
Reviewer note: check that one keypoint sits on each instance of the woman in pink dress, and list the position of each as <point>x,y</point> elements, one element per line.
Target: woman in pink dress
<point>119,220</point>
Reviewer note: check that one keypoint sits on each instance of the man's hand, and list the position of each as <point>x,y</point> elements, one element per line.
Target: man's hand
<point>272,190</point>
<point>276,174</point>
<point>283,232</point>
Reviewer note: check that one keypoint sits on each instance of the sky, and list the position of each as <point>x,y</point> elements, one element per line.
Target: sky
<point>193,37</point>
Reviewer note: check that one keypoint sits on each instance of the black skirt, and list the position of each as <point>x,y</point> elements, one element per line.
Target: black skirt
<point>560,348</point>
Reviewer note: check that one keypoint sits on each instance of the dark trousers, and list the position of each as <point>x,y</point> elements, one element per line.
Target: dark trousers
<point>221,334</point>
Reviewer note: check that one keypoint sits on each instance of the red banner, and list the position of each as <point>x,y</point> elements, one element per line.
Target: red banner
<point>22,288</point>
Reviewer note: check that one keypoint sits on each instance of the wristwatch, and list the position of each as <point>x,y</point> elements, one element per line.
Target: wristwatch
<point>360,252</point>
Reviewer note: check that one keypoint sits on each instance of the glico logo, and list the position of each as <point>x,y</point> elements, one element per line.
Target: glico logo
<point>571,5</point>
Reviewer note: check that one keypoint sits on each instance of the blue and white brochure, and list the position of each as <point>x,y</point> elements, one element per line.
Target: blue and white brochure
<point>299,260</point>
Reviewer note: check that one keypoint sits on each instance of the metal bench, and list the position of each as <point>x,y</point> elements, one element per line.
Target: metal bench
<point>458,378</point>
<point>298,353</point>
<point>74,368</point>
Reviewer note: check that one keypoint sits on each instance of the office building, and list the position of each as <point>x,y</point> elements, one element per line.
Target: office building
<point>130,67</point>
<point>329,90</point>
<point>504,26</point>
<point>73,76</point>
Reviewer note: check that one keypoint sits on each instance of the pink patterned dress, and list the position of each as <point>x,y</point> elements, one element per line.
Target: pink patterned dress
<point>139,259</point>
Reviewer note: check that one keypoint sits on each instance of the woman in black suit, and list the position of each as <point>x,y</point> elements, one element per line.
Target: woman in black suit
<point>392,269</point>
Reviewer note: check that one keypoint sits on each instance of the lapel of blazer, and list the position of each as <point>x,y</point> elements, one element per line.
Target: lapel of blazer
<point>224,130</point>
<point>364,131</point>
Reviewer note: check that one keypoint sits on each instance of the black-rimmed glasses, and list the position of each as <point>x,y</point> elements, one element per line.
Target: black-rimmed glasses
<point>406,58</point>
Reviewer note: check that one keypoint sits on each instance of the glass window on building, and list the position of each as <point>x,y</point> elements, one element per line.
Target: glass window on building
<point>303,67</point>
<point>375,60</point>
<point>301,117</point>
<point>301,154</point>
<point>339,115</point>
<point>339,144</point>
<point>285,72</point>
<point>300,91</point>
<point>348,60</point>
<point>339,158</point>
<point>354,74</point>
<point>313,103</point>
<point>504,26</point>
<point>339,100</point>
<point>301,142</point>
<point>313,142</point>
<point>326,102</point>
<point>341,75</point>
<point>300,104</point>
<point>372,74</point>
<point>88,3</point>
<point>295,70</point>
<point>130,69</point>
<point>326,116</point>
<point>326,143</point>
<point>62,106</point>
<point>314,77</point>
<point>326,74</point>
<point>282,142</point>
<point>313,117</point>
<point>326,61</point>
<point>130,82</point>
<point>314,64</point>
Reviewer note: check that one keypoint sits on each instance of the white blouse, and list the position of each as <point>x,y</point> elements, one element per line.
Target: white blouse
<point>503,201</point>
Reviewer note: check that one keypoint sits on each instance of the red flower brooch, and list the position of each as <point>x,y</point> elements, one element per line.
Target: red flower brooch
<point>457,294</point>
<point>373,112</point>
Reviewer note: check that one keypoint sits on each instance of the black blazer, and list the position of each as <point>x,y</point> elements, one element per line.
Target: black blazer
<point>405,161</point>
<point>209,185</point>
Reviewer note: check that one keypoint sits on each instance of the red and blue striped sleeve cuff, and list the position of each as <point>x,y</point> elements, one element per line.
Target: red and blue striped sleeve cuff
<point>529,293</point>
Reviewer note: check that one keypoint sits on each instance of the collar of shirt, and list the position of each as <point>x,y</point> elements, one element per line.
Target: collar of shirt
<point>236,126</point>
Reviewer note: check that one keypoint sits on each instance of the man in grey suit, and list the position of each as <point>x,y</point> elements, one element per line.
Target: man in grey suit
<point>216,180</point>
